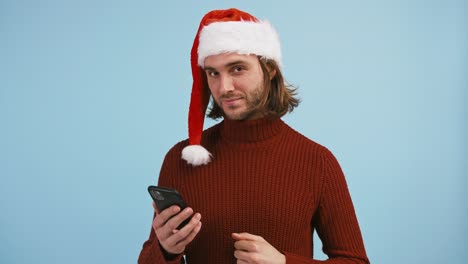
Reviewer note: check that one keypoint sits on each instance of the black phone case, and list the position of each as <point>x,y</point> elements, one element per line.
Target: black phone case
<point>165,198</point>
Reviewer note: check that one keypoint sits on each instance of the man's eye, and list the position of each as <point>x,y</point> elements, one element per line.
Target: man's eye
<point>238,69</point>
<point>212,74</point>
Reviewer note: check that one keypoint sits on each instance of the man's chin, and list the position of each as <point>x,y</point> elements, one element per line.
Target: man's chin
<point>240,116</point>
<point>234,117</point>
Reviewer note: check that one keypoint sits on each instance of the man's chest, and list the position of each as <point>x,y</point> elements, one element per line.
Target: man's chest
<point>259,200</point>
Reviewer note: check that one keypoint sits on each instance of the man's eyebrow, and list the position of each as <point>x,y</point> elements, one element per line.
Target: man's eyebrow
<point>234,63</point>
<point>208,68</point>
<point>228,65</point>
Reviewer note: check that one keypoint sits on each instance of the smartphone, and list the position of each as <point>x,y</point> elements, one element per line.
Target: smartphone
<point>167,197</point>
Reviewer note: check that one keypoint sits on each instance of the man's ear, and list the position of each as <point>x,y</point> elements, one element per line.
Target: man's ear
<point>272,73</point>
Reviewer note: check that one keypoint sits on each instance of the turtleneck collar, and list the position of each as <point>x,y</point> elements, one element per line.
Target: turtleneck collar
<point>250,130</point>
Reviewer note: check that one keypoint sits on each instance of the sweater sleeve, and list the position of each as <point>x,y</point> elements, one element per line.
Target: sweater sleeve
<point>335,220</point>
<point>152,252</point>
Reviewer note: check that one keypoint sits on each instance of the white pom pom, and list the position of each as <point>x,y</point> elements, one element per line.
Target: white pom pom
<point>196,155</point>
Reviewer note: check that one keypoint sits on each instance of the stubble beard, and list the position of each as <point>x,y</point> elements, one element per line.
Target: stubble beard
<point>252,107</point>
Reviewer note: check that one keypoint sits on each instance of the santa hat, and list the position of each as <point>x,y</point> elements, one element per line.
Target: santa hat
<point>222,31</point>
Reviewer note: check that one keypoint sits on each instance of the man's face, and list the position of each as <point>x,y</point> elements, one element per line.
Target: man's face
<point>236,84</point>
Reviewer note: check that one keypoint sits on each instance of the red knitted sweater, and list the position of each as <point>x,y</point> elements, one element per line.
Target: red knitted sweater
<point>268,180</point>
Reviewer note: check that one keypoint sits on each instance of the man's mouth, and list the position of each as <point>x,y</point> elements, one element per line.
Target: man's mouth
<point>231,100</point>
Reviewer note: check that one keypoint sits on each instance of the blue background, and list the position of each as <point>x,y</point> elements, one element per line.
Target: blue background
<point>93,94</point>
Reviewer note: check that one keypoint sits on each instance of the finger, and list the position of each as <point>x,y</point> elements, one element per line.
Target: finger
<point>191,235</point>
<point>193,222</point>
<point>186,231</point>
<point>170,240</point>
<point>241,255</point>
<point>175,221</point>
<point>246,236</point>
<point>165,215</point>
<point>247,245</point>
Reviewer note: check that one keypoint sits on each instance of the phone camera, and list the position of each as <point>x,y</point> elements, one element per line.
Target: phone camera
<point>158,195</point>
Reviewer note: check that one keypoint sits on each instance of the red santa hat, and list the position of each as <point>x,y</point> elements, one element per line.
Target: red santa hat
<point>222,31</point>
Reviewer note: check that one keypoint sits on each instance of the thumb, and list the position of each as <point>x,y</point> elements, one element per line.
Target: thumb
<point>236,236</point>
<point>246,236</point>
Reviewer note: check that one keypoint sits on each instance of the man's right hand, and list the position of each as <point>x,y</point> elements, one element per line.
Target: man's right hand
<point>165,224</point>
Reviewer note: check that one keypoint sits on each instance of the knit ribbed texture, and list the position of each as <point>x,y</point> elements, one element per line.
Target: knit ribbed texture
<point>268,180</point>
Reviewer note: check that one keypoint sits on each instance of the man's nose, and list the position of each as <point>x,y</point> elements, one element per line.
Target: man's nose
<point>226,84</point>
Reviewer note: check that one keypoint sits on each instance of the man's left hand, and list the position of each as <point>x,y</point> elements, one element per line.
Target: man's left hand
<point>254,249</point>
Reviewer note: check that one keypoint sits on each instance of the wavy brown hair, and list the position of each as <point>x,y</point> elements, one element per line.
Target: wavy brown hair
<point>277,99</point>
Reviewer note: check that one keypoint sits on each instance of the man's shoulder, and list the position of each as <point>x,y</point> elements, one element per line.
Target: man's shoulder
<point>212,130</point>
<point>307,144</point>
<point>302,139</point>
<point>323,149</point>
<point>208,133</point>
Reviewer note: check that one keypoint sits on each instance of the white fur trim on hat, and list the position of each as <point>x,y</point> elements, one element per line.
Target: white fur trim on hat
<point>243,37</point>
<point>196,155</point>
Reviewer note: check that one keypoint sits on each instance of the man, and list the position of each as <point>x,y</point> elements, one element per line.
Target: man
<point>259,187</point>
